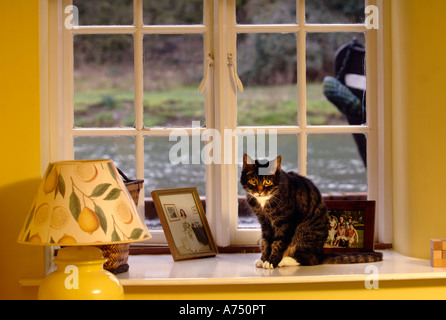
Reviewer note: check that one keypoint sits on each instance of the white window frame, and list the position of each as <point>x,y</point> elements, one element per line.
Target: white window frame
<point>220,32</point>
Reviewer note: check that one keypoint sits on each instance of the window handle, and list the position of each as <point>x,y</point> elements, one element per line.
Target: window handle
<point>209,64</point>
<point>232,65</point>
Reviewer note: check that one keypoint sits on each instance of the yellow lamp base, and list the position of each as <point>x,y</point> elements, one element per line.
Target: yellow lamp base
<point>80,276</point>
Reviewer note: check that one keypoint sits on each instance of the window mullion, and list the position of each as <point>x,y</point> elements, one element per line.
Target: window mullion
<point>138,65</point>
<point>222,196</point>
<point>300,12</point>
<point>139,96</point>
<point>374,167</point>
<point>57,65</point>
<point>209,93</point>
<point>68,88</point>
<point>302,88</point>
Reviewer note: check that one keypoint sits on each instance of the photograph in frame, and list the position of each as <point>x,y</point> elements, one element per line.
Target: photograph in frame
<point>352,225</point>
<point>184,223</point>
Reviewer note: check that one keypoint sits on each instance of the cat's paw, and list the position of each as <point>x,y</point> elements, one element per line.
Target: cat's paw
<point>268,265</point>
<point>288,262</point>
<point>259,263</point>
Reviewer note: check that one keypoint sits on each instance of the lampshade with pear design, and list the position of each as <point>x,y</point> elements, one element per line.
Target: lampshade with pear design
<point>83,202</point>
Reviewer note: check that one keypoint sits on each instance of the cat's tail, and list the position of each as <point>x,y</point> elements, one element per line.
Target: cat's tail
<point>354,257</point>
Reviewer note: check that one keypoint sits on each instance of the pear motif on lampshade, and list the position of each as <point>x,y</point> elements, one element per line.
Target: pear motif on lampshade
<point>83,202</point>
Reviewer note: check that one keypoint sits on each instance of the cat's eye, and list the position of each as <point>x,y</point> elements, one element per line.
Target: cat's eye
<point>253,182</point>
<point>267,182</point>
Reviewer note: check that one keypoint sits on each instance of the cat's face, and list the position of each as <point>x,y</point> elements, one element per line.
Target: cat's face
<point>261,179</point>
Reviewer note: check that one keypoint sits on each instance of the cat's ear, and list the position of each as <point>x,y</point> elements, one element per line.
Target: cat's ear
<point>247,160</point>
<point>275,165</point>
<point>279,163</point>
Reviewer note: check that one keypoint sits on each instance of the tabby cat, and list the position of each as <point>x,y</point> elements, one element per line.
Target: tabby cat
<point>293,217</point>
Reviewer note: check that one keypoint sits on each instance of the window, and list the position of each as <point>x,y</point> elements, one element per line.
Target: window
<point>126,87</point>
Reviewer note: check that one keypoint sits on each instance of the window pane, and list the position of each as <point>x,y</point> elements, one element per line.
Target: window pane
<point>284,145</point>
<point>103,81</point>
<point>266,11</point>
<point>335,163</point>
<point>173,69</point>
<point>268,70</point>
<point>335,11</point>
<point>336,79</point>
<point>160,173</point>
<point>119,149</point>
<point>173,12</point>
<point>105,12</point>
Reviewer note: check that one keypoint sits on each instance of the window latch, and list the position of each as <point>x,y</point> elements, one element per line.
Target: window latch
<point>238,83</point>
<point>209,64</point>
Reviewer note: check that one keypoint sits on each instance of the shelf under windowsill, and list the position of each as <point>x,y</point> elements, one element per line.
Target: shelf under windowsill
<point>239,269</point>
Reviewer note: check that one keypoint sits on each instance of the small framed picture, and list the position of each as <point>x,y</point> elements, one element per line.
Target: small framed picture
<point>172,212</point>
<point>352,226</point>
<point>184,223</point>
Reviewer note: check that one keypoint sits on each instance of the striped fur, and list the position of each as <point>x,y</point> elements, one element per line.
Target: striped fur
<point>292,214</point>
<point>356,257</point>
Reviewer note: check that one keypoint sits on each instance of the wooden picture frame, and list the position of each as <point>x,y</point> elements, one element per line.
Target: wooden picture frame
<point>184,223</point>
<point>352,226</point>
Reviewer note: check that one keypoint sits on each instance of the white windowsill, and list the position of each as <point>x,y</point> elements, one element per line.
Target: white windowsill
<point>228,269</point>
<point>238,269</point>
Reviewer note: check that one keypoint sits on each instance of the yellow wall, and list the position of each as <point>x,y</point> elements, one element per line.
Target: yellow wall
<point>419,110</point>
<point>19,141</point>
<point>419,117</point>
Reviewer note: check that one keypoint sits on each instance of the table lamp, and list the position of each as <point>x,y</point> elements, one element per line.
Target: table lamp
<point>80,205</point>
